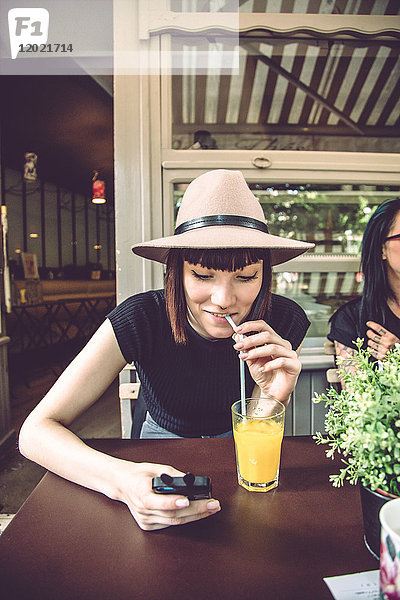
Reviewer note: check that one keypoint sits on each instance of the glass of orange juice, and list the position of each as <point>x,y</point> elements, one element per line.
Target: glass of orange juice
<point>258,439</point>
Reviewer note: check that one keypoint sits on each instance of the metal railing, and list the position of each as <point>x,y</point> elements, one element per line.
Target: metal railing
<point>36,326</point>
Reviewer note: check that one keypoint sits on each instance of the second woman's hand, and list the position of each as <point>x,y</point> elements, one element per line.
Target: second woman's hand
<point>273,364</point>
<point>154,511</point>
<point>380,340</point>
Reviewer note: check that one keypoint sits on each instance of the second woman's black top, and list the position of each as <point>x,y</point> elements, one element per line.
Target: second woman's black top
<point>345,326</point>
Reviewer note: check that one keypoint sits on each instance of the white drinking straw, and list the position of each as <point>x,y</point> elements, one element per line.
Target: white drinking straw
<point>241,368</point>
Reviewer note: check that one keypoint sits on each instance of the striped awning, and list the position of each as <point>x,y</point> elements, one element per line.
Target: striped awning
<point>300,80</point>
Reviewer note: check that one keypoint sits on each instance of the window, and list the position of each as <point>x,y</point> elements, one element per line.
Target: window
<point>331,216</point>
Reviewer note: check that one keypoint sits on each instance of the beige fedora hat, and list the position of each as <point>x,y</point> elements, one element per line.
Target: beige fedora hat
<point>218,210</point>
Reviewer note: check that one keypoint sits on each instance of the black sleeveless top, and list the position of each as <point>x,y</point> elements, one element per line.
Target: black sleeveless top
<point>189,389</point>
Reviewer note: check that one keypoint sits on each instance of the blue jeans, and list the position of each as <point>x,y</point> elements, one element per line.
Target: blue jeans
<point>151,429</point>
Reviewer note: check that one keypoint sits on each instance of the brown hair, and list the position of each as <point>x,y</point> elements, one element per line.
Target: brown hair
<point>226,259</point>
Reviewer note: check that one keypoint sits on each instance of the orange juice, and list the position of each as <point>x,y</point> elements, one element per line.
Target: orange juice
<point>258,449</point>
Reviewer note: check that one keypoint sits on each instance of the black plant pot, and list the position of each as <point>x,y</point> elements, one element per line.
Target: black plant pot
<point>371,504</point>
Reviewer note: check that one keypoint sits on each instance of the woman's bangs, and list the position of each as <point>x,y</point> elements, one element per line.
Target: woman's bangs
<point>229,259</point>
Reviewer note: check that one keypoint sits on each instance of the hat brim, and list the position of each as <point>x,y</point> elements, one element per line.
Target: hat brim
<point>282,249</point>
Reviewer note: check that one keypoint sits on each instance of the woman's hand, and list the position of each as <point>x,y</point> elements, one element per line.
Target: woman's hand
<point>273,364</point>
<point>157,511</point>
<point>380,339</point>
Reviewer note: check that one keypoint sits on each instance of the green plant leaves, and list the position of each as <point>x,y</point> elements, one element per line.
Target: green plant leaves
<point>363,421</point>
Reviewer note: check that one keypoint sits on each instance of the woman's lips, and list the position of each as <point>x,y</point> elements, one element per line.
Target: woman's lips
<point>219,317</point>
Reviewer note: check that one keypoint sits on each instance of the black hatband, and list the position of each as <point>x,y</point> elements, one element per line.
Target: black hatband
<point>212,220</point>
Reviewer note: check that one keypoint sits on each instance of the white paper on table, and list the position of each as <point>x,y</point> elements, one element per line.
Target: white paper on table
<point>357,585</point>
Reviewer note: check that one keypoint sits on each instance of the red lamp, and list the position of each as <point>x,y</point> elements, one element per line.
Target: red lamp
<point>99,190</point>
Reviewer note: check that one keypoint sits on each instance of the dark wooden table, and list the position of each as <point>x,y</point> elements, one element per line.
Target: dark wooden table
<point>67,542</point>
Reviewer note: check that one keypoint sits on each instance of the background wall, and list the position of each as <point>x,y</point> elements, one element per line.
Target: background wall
<point>63,228</point>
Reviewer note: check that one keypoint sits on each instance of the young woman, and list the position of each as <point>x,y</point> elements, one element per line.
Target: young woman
<point>218,263</point>
<point>374,316</point>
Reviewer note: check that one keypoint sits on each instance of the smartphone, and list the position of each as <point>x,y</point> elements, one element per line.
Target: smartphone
<point>194,487</point>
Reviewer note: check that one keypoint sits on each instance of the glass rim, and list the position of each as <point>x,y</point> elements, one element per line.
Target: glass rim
<point>278,414</point>
<point>383,517</point>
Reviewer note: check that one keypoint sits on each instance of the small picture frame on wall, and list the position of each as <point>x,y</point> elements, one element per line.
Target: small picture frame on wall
<point>96,274</point>
<point>30,265</point>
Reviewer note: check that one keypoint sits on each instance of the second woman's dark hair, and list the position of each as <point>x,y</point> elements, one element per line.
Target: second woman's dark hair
<point>376,286</point>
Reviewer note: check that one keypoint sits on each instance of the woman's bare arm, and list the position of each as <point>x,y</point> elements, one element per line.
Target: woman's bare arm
<point>46,439</point>
<point>44,436</point>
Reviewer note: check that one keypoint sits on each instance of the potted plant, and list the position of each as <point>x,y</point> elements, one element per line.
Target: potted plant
<point>363,426</point>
